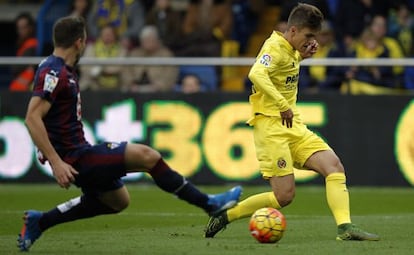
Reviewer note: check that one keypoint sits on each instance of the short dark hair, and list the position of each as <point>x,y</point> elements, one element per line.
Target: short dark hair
<point>306,15</point>
<point>67,30</point>
<point>31,23</point>
<point>27,16</point>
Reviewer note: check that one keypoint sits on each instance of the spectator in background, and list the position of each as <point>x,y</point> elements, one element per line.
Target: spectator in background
<point>141,78</point>
<point>206,23</point>
<point>127,16</point>
<point>26,47</point>
<point>354,15</point>
<point>365,79</point>
<point>316,78</point>
<point>245,15</point>
<point>401,28</point>
<point>80,8</point>
<point>167,21</point>
<point>379,28</point>
<point>106,77</point>
<point>190,84</point>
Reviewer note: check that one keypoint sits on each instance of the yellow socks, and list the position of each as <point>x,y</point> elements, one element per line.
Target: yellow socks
<point>248,206</point>
<point>336,194</point>
<point>338,197</point>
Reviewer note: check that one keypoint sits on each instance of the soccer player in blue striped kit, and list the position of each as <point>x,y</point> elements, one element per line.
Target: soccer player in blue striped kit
<point>54,121</point>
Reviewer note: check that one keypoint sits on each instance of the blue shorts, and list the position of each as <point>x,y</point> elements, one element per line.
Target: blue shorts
<point>100,167</point>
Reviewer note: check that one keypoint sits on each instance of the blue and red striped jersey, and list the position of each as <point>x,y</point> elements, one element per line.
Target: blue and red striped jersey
<point>58,83</point>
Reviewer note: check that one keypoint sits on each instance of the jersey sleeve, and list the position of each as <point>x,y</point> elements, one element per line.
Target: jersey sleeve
<point>266,61</point>
<point>46,85</point>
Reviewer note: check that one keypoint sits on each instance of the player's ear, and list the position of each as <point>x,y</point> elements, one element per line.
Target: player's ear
<point>79,42</point>
<point>293,29</point>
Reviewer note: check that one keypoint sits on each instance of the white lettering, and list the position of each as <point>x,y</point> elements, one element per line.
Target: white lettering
<point>118,123</point>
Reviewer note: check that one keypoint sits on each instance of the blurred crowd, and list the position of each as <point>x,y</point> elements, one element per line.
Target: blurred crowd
<point>226,28</point>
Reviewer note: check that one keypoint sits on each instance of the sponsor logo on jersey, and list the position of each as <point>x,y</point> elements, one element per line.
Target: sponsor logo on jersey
<point>292,79</point>
<point>50,83</point>
<point>265,59</point>
<point>53,72</point>
<point>113,145</point>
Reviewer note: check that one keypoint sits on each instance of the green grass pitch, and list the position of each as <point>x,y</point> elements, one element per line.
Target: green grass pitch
<point>158,223</point>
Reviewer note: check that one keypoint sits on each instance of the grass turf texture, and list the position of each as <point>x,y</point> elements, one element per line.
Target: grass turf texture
<point>156,223</point>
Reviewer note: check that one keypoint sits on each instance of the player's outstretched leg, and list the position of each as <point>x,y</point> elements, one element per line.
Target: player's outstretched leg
<point>173,182</point>
<point>348,232</point>
<point>30,231</point>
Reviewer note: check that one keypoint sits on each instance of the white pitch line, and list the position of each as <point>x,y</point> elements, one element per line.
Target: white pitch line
<point>175,214</point>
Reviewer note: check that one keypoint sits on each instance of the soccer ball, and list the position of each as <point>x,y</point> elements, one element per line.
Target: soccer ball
<point>267,225</point>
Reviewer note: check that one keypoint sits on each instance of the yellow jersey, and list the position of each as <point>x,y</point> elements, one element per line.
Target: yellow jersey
<point>275,76</point>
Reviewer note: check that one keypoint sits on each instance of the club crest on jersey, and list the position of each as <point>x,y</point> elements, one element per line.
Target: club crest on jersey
<point>265,59</point>
<point>281,163</point>
<point>112,145</point>
<point>50,83</point>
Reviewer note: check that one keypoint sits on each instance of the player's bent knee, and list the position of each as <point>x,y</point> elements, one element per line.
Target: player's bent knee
<point>336,166</point>
<point>285,198</point>
<point>284,201</point>
<point>141,156</point>
<point>325,163</point>
<point>118,200</point>
<point>339,166</point>
<point>120,205</point>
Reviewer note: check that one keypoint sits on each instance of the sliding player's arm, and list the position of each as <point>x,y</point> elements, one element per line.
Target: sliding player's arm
<point>36,111</point>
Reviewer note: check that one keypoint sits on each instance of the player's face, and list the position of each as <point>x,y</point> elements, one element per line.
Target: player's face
<point>83,44</point>
<point>81,48</point>
<point>23,28</point>
<point>301,38</point>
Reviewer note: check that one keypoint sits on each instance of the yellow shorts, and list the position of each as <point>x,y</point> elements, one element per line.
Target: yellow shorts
<point>279,149</point>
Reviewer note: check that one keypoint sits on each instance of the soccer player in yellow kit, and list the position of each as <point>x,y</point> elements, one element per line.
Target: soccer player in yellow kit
<point>281,138</point>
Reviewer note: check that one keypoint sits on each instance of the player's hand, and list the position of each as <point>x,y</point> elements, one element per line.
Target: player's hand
<point>64,174</point>
<point>287,118</point>
<point>310,49</point>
